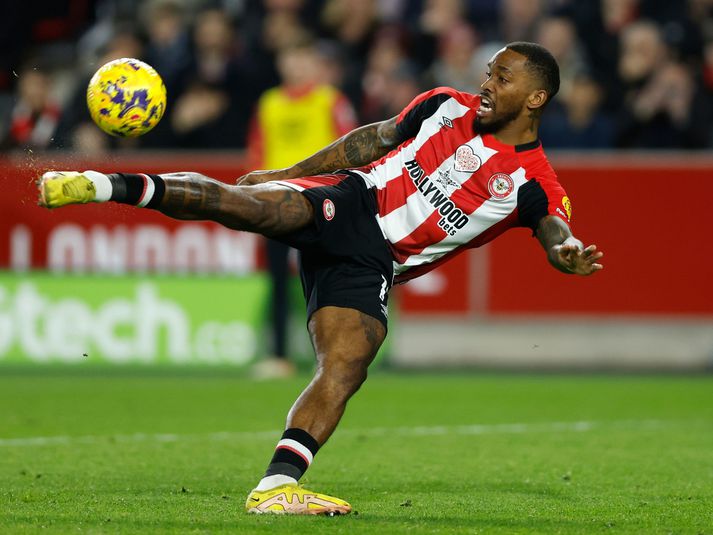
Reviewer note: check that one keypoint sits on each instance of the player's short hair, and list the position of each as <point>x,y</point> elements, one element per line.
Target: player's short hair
<point>542,63</point>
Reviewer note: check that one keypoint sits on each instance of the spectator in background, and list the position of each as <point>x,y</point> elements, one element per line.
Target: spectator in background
<point>599,23</point>
<point>34,117</point>
<point>485,14</point>
<point>558,34</point>
<point>618,14</point>
<point>576,120</point>
<point>293,120</point>
<point>663,107</point>
<point>214,109</point>
<point>403,86</point>
<point>332,63</point>
<point>353,24</point>
<point>270,26</point>
<point>462,57</point>
<point>681,25</point>
<point>456,64</point>
<point>378,49</point>
<point>282,28</point>
<point>518,19</point>
<point>438,18</point>
<point>168,49</point>
<point>386,56</point>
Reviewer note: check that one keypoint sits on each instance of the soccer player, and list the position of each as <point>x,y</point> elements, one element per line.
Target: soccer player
<point>301,103</point>
<point>385,203</point>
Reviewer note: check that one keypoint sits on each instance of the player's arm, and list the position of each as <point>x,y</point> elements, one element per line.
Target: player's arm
<point>359,147</point>
<point>565,252</point>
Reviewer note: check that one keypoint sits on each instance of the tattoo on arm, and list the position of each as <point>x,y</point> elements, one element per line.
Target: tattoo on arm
<point>388,137</point>
<point>552,231</point>
<point>358,148</point>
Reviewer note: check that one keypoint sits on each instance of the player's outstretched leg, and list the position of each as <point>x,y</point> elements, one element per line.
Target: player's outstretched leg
<point>268,209</point>
<point>345,341</point>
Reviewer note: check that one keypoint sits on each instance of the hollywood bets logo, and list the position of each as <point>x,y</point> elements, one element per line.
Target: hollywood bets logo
<point>452,218</point>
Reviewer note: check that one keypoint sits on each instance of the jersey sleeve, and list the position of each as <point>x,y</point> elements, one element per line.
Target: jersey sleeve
<point>421,108</point>
<point>540,197</point>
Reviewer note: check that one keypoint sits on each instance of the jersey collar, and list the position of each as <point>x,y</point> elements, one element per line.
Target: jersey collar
<point>490,141</point>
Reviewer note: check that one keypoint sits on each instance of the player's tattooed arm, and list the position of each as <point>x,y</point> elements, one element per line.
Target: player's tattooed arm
<point>369,143</point>
<point>359,147</point>
<point>565,252</point>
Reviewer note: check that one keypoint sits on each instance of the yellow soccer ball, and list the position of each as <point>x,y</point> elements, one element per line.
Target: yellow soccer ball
<point>126,97</point>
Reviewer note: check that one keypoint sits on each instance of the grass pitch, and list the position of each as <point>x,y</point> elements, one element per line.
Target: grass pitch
<point>130,453</point>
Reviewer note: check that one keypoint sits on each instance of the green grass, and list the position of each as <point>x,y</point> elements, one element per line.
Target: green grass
<point>643,463</point>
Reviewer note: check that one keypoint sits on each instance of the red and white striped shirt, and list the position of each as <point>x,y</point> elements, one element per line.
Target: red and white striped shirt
<point>446,188</point>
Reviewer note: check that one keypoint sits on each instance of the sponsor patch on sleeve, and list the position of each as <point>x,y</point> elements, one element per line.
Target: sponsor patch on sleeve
<point>567,206</point>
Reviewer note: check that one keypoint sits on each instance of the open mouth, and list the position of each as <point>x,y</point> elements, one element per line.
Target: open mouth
<point>486,106</point>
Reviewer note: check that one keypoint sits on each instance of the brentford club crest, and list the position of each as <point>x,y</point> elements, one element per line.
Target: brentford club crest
<point>328,209</point>
<point>500,185</point>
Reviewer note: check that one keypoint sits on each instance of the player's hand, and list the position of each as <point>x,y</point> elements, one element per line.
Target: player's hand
<point>260,177</point>
<point>576,259</point>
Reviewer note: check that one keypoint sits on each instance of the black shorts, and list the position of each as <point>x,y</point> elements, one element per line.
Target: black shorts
<point>344,259</point>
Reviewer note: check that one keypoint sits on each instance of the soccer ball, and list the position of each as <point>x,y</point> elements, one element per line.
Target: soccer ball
<point>126,97</point>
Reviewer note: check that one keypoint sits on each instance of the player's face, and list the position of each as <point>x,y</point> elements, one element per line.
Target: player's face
<point>504,94</point>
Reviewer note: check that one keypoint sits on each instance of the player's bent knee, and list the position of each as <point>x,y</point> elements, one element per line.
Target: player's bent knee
<point>345,372</point>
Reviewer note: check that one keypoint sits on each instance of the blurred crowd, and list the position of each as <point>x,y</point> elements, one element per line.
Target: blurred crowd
<point>635,73</point>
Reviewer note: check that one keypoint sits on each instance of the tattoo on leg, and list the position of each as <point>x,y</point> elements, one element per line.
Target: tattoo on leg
<point>175,197</point>
<point>191,194</point>
<point>270,211</point>
<point>212,197</point>
<point>194,197</point>
<point>373,331</point>
<point>290,210</point>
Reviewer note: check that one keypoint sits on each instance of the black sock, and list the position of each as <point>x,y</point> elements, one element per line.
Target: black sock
<point>293,454</point>
<point>137,189</point>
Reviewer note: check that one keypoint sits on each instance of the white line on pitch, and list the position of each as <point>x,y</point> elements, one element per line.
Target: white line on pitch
<point>475,429</point>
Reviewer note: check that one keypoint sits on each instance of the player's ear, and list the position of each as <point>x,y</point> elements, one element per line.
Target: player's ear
<point>537,99</point>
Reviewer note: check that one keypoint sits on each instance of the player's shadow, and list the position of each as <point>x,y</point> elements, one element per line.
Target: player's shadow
<point>483,490</point>
<point>483,505</point>
<point>110,523</point>
<point>549,491</point>
<point>475,523</point>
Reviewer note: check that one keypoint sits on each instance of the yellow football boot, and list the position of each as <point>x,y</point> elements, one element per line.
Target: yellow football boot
<point>59,188</point>
<point>292,499</point>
